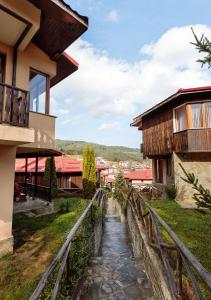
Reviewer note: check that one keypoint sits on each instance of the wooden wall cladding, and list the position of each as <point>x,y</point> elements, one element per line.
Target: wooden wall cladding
<point>158,134</point>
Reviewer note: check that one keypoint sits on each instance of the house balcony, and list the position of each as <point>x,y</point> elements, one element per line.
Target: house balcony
<point>192,140</point>
<point>14,106</point>
<point>14,116</point>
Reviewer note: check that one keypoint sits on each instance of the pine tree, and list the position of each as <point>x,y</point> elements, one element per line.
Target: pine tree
<point>202,196</point>
<point>203,45</point>
<point>89,172</point>
<point>47,175</point>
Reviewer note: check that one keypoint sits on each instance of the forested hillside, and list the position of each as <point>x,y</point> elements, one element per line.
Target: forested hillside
<point>114,153</point>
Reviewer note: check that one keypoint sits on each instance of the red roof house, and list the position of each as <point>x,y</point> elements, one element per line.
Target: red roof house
<point>140,176</point>
<point>69,171</point>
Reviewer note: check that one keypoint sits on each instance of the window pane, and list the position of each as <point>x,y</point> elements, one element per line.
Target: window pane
<point>37,91</point>
<point>196,114</point>
<point>181,119</point>
<point>208,114</point>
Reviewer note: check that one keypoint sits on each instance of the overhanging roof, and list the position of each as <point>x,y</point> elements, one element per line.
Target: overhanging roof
<point>39,153</point>
<point>60,26</point>
<point>170,100</point>
<point>66,65</point>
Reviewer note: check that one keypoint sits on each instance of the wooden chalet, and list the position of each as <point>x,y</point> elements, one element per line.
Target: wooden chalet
<point>178,130</point>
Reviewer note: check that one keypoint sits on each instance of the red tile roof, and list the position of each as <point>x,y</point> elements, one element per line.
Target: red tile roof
<point>200,88</point>
<point>64,164</point>
<point>145,174</point>
<point>182,91</point>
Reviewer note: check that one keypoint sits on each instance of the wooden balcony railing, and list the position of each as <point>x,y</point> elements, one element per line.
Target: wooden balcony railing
<point>14,106</point>
<point>193,140</point>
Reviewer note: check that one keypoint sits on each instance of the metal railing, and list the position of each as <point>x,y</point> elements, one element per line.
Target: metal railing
<point>181,267</point>
<point>14,105</point>
<point>62,261</point>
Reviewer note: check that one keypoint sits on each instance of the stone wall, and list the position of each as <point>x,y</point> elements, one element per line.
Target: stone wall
<point>141,248</point>
<point>197,163</point>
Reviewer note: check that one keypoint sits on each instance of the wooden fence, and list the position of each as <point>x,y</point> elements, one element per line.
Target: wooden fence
<point>62,261</point>
<point>181,267</point>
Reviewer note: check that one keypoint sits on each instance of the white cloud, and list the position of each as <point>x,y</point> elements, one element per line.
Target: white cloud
<point>111,125</point>
<point>112,16</point>
<point>105,86</point>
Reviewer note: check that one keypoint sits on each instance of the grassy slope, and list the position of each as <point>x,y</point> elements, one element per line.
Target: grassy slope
<point>114,153</point>
<point>193,227</point>
<point>38,241</point>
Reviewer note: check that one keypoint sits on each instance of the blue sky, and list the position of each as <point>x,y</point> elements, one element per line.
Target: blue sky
<point>133,55</point>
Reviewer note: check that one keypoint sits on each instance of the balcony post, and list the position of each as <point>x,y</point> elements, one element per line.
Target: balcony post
<point>50,183</point>
<point>35,183</point>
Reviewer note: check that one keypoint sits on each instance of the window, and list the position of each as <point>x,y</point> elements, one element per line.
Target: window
<point>67,182</point>
<point>193,116</point>
<point>181,119</point>
<point>196,115</point>
<point>208,114</point>
<point>38,91</point>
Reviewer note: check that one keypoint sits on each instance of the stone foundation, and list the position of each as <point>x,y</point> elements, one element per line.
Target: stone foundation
<point>6,246</point>
<point>200,165</point>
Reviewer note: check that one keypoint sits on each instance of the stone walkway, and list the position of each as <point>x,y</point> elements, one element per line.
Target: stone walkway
<point>116,275</point>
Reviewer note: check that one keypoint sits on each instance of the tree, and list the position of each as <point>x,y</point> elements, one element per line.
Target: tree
<point>89,172</point>
<point>203,45</point>
<point>47,175</point>
<point>202,196</point>
<point>119,184</point>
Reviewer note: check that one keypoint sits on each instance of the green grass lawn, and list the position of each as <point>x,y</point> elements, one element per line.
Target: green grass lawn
<point>37,240</point>
<point>192,226</point>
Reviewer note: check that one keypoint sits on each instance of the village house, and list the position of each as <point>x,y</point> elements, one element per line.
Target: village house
<point>33,37</point>
<point>178,130</point>
<point>139,177</point>
<point>68,171</point>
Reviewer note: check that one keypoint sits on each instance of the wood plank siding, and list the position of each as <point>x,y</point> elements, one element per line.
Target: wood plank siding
<point>158,134</point>
<point>159,139</point>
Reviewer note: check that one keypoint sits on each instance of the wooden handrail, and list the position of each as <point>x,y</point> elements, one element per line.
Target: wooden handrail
<point>151,222</point>
<point>13,87</point>
<point>64,251</point>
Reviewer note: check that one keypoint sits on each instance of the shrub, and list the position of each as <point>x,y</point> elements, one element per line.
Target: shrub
<point>65,206</point>
<point>171,191</point>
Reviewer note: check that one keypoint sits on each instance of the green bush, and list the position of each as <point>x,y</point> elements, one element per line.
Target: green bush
<point>64,206</point>
<point>171,191</point>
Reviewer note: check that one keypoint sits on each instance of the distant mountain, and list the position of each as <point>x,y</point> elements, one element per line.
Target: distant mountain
<point>113,153</point>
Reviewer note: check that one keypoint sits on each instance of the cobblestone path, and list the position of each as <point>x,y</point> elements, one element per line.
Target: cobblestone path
<point>116,275</point>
